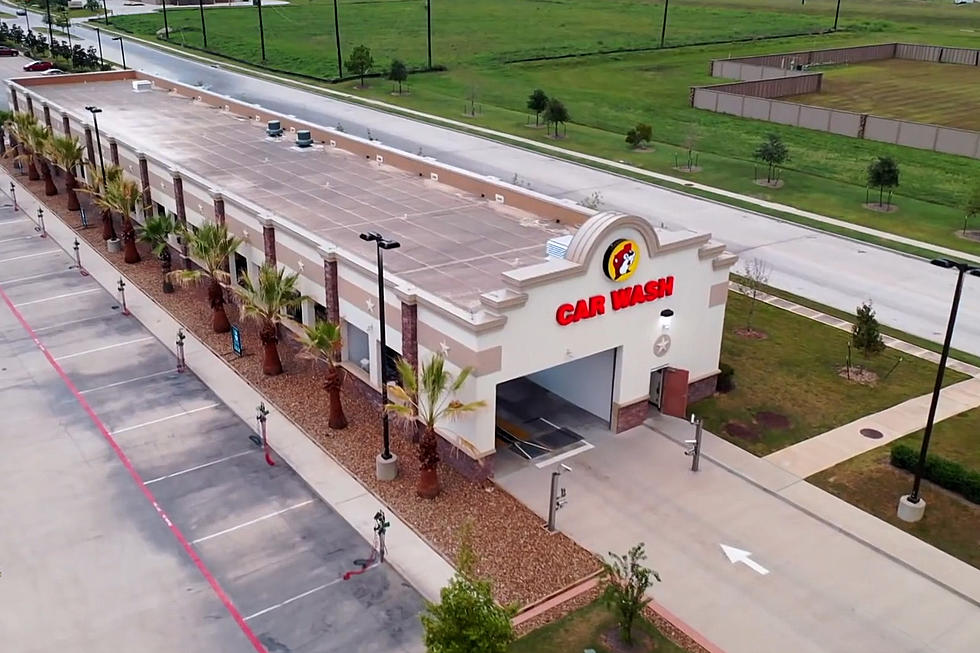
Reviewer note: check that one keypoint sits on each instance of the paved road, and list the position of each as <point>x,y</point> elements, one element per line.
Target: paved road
<point>99,432</point>
<point>907,293</point>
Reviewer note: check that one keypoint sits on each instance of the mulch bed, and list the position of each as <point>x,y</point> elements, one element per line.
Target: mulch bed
<point>742,431</point>
<point>881,208</point>
<point>858,375</point>
<point>772,420</point>
<point>752,334</point>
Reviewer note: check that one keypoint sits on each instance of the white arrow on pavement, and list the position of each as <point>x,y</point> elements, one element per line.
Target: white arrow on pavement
<point>739,555</point>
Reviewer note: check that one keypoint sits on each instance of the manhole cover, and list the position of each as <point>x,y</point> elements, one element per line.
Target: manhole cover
<point>874,434</point>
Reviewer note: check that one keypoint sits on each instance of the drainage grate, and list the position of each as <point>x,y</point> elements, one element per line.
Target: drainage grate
<point>874,434</point>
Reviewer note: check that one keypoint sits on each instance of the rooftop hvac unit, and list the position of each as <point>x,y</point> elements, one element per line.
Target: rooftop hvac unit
<point>142,85</point>
<point>274,128</point>
<point>303,138</point>
<point>557,247</point>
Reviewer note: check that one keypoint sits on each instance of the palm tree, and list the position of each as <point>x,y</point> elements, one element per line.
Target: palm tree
<point>265,303</point>
<point>20,127</point>
<point>156,232</point>
<point>122,195</point>
<point>6,118</point>
<point>429,397</point>
<point>67,153</point>
<point>98,189</point>
<point>37,142</point>
<point>321,342</point>
<point>211,245</point>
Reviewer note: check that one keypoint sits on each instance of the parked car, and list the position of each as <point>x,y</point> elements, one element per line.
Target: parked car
<point>54,71</point>
<point>7,52</point>
<point>38,66</point>
<point>21,12</point>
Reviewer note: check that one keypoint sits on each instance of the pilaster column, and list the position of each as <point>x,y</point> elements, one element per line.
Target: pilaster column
<point>66,124</point>
<point>113,151</point>
<point>14,100</point>
<point>181,217</point>
<point>145,183</point>
<point>269,241</point>
<point>410,338</point>
<point>47,116</point>
<point>90,145</point>
<point>30,105</point>
<point>332,299</point>
<point>219,208</point>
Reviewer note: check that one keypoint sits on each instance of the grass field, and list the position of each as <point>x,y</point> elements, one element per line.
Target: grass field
<point>607,94</point>
<point>871,483</point>
<point>793,372</point>
<point>942,94</point>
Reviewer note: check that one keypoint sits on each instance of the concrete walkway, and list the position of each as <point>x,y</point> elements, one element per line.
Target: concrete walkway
<point>408,553</point>
<point>823,451</point>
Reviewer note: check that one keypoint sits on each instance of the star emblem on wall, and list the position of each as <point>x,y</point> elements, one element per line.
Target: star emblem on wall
<point>445,348</point>
<point>245,234</point>
<point>302,265</point>
<point>369,302</point>
<point>661,345</point>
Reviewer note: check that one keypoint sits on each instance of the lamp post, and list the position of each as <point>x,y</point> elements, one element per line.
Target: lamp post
<point>386,467</point>
<point>204,28</point>
<point>428,29</point>
<point>47,9</point>
<point>27,16</point>
<point>95,111</point>
<point>836,15</point>
<point>122,50</point>
<point>105,11</point>
<point>98,36</point>
<point>258,3</point>
<point>663,27</point>
<point>166,27</point>
<point>911,506</point>
<point>336,30</point>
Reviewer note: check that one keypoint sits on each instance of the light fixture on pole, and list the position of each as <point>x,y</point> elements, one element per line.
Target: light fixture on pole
<point>98,36</point>
<point>122,50</point>
<point>387,462</point>
<point>95,111</point>
<point>911,507</point>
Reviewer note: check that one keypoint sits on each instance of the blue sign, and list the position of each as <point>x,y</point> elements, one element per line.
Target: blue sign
<point>236,340</point>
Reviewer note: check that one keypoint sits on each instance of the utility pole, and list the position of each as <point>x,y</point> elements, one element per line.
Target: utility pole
<point>336,31</point>
<point>261,28</point>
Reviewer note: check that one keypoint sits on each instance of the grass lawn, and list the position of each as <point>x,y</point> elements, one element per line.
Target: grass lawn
<point>871,483</point>
<point>607,94</point>
<point>584,629</point>
<point>935,93</point>
<point>793,373</point>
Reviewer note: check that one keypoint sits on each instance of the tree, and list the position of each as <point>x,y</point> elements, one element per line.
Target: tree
<point>751,283</point>
<point>537,102</point>
<point>882,174</point>
<point>321,342</point>
<point>6,120</point>
<point>20,128</point>
<point>972,206</point>
<point>66,152</point>
<point>156,233</point>
<point>93,5</point>
<point>98,189</point>
<point>866,333</point>
<point>211,244</point>
<point>626,582</point>
<point>122,195</point>
<point>773,152</point>
<point>398,72</point>
<point>556,113</point>
<point>639,135</point>
<point>265,303</point>
<point>467,619</point>
<point>37,137</point>
<point>429,396</point>
<point>360,61</point>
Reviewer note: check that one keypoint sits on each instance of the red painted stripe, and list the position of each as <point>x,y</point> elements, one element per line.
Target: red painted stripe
<point>124,459</point>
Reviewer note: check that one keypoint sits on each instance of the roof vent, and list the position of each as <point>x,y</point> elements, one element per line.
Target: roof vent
<point>557,247</point>
<point>303,138</point>
<point>142,85</point>
<point>274,128</point>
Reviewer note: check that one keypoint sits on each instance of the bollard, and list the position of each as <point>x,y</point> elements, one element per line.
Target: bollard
<point>261,413</point>
<point>695,450</point>
<point>381,525</point>
<point>78,261</point>
<point>558,498</point>
<point>40,223</point>
<point>13,195</point>
<point>122,296</point>
<point>181,364</point>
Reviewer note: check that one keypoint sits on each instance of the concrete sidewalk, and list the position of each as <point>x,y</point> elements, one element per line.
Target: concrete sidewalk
<point>844,442</point>
<point>408,553</point>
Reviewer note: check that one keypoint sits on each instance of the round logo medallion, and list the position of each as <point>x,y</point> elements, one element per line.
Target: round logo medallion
<point>661,345</point>
<point>621,259</point>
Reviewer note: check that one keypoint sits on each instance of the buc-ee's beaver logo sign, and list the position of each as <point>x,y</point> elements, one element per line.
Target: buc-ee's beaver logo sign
<point>621,259</point>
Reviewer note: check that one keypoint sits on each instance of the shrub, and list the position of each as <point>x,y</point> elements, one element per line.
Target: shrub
<point>725,381</point>
<point>945,473</point>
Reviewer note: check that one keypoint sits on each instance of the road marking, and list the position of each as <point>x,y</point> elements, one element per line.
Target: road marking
<point>48,299</point>
<point>299,596</point>
<point>36,254</point>
<point>10,240</point>
<point>98,349</point>
<point>14,221</point>
<point>33,276</point>
<point>164,419</point>
<point>197,467</point>
<point>585,446</point>
<point>250,522</point>
<point>740,555</point>
<point>118,383</point>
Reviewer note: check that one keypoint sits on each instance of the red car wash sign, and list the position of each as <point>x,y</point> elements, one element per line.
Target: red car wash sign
<point>620,261</point>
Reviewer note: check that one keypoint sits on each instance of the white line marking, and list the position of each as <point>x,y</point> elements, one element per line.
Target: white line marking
<point>299,596</point>
<point>97,349</point>
<point>117,383</point>
<point>10,240</point>
<point>70,322</point>
<point>17,258</point>
<point>253,521</point>
<point>585,446</point>
<point>14,221</point>
<point>164,419</point>
<point>194,469</point>
<point>33,276</point>
<point>48,299</point>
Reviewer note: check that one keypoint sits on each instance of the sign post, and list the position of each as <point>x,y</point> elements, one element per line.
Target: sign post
<point>236,340</point>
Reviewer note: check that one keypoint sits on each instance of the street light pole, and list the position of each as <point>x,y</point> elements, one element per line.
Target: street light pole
<point>386,469</point>
<point>95,111</point>
<point>47,8</point>
<point>204,28</point>
<point>105,11</point>
<point>663,27</point>
<point>836,15</point>
<point>98,36</point>
<point>336,30</point>
<point>428,28</point>
<point>911,507</point>
<point>122,50</point>
<point>261,28</point>
<point>166,27</point>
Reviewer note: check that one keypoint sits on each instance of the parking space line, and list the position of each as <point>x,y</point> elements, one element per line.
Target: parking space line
<point>33,276</point>
<point>48,299</point>
<point>118,383</point>
<point>164,419</point>
<point>300,596</point>
<point>34,255</point>
<point>13,221</point>
<point>197,467</point>
<point>69,323</point>
<point>10,240</point>
<point>98,349</point>
<point>250,522</point>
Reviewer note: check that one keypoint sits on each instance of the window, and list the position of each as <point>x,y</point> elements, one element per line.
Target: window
<point>295,312</point>
<point>161,212</point>
<point>357,347</point>
<point>391,365</point>
<point>319,313</point>
<point>241,269</point>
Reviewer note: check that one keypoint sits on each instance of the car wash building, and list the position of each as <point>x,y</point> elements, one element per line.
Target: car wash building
<point>576,323</point>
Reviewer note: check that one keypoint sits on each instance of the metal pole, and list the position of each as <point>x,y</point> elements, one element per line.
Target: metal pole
<point>696,458</point>
<point>181,365</point>
<point>166,27</point>
<point>105,12</point>
<point>914,496</point>
<point>98,35</point>
<point>428,28</point>
<point>98,144</point>
<point>47,7</point>
<point>260,414</point>
<point>78,260</point>
<point>336,29</point>
<point>122,50</point>
<point>122,296</point>
<point>13,195</point>
<point>261,29</point>
<point>663,27</point>
<point>27,16</point>
<point>40,223</point>
<point>204,28</point>
<point>553,503</point>
<point>386,453</point>
<point>836,15</point>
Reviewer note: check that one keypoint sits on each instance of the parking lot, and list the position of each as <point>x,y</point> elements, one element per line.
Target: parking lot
<point>138,514</point>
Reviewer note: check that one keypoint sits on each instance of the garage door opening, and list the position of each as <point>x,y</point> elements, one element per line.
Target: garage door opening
<point>552,413</point>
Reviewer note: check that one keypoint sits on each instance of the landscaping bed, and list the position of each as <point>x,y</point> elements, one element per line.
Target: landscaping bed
<point>792,384</point>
